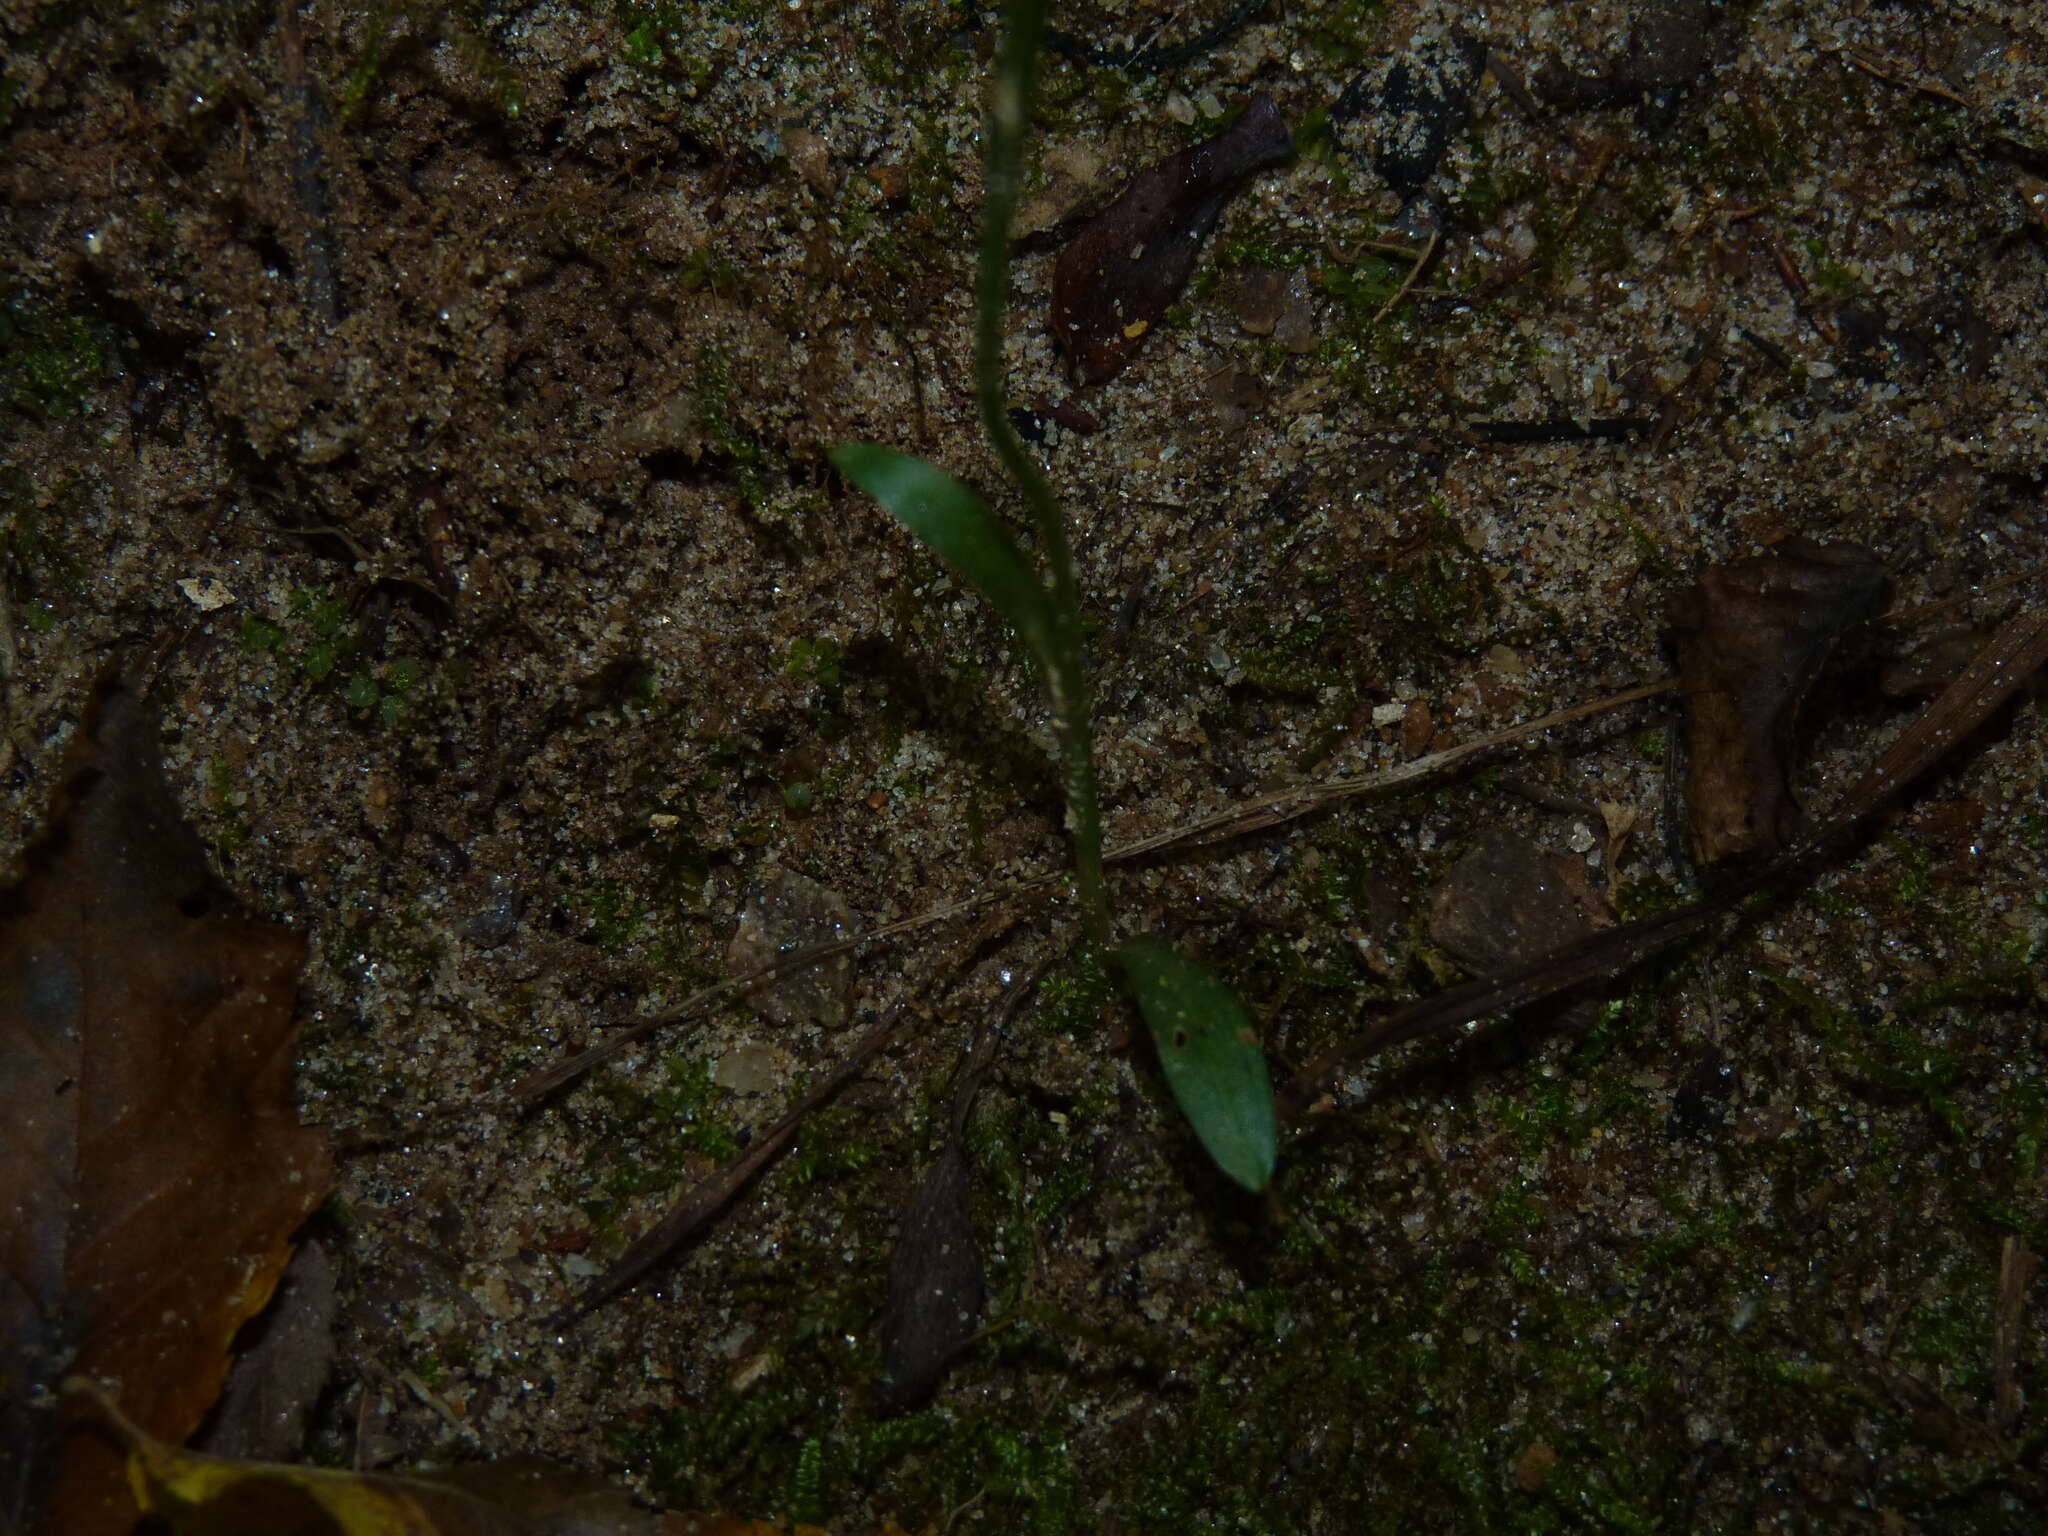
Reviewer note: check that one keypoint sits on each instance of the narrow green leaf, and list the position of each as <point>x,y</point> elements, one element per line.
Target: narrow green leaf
<point>959,526</point>
<point>1211,1057</point>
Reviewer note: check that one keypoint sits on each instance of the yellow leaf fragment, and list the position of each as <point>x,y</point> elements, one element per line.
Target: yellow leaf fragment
<point>199,1495</point>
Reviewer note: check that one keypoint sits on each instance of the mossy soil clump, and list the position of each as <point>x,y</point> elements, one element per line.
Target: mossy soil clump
<point>443,403</point>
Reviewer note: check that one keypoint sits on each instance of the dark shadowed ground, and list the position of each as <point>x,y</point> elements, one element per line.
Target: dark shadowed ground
<point>439,398</point>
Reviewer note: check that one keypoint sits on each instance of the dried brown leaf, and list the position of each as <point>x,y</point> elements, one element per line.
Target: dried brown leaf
<point>935,1284</point>
<point>1501,905</point>
<point>280,1372</point>
<point>2002,667</point>
<point>151,1167</point>
<point>932,1309</point>
<point>1113,283</point>
<point>1752,637</point>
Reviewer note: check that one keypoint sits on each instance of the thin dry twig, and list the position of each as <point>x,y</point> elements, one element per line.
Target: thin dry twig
<point>2005,663</point>
<point>537,1085</point>
<point>1699,378</point>
<point>1899,75</point>
<point>1349,258</point>
<point>1994,674</point>
<point>1956,1429</point>
<point>1603,158</point>
<point>717,1190</point>
<point>309,177</point>
<point>1801,291</point>
<point>1414,275</point>
<point>440,1406</point>
<point>1920,613</point>
<point>2014,653</point>
<point>1603,954</point>
<point>2017,1268</point>
<point>1284,805</point>
<point>1255,816</point>
<point>1516,89</point>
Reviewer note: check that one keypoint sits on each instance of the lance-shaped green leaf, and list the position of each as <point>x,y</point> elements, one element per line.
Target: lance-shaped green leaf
<point>1211,1057</point>
<point>966,534</point>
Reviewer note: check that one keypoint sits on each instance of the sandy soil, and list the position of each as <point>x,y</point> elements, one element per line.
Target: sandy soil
<point>439,403</point>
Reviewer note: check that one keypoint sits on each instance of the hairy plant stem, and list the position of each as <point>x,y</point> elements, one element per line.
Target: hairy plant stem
<point>1067,682</point>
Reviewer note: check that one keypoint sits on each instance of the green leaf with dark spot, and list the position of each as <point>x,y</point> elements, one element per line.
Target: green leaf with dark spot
<point>966,534</point>
<point>1211,1057</point>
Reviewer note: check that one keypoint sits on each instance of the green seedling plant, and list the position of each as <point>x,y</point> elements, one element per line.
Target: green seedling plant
<point>1207,1048</point>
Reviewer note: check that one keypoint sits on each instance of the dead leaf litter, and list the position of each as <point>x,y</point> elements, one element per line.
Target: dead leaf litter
<point>496,399</point>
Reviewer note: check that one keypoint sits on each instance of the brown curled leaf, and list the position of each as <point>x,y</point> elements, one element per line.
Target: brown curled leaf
<point>1752,637</point>
<point>1113,283</point>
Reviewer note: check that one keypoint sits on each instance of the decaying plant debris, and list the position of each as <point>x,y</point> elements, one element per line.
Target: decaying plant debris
<point>1117,277</point>
<point>155,1171</point>
<point>445,401</point>
<point>1752,638</point>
